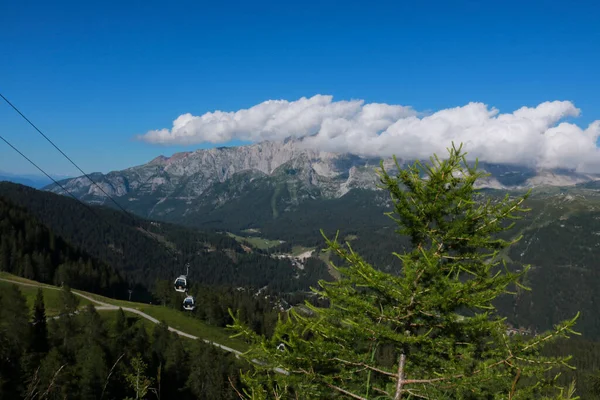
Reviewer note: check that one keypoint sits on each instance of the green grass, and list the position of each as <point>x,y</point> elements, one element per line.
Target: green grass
<point>6,275</point>
<point>255,241</point>
<point>174,318</point>
<point>110,316</point>
<point>297,250</point>
<point>51,297</point>
<point>178,320</point>
<point>187,323</point>
<point>325,256</point>
<point>108,300</point>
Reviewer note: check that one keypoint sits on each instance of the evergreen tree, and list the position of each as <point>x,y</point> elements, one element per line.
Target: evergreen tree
<point>433,320</point>
<point>136,378</point>
<point>67,325</point>
<point>176,367</point>
<point>4,254</point>
<point>163,291</point>
<point>54,376</point>
<point>40,328</point>
<point>14,339</point>
<point>28,269</point>
<point>92,371</point>
<point>160,341</point>
<point>69,302</point>
<point>120,330</point>
<point>139,342</point>
<point>208,379</point>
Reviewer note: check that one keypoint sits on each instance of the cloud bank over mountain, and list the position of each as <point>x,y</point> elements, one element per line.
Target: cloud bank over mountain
<point>535,136</point>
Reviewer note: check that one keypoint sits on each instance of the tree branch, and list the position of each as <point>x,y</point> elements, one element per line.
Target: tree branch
<point>400,379</point>
<point>514,385</point>
<point>339,389</point>
<point>360,364</point>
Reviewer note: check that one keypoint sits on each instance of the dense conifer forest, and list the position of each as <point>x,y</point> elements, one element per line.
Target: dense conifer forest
<point>29,249</point>
<point>103,355</point>
<point>54,239</point>
<point>229,278</point>
<point>144,251</point>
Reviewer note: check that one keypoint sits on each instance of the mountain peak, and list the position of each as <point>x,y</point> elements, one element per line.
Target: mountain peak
<point>204,177</point>
<point>162,160</point>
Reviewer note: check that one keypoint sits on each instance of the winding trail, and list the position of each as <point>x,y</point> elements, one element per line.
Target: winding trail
<point>100,305</point>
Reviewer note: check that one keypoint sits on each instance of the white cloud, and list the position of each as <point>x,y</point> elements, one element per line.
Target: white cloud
<point>533,136</point>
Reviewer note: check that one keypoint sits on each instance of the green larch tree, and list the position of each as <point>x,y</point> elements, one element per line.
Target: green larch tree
<point>428,331</point>
<point>137,379</point>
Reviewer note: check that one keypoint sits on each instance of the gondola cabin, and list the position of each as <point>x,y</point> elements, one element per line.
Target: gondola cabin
<point>181,283</point>
<point>189,303</point>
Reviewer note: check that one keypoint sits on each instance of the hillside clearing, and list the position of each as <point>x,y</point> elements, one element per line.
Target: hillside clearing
<point>256,241</point>
<point>51,297</point>
<point>178,321</point>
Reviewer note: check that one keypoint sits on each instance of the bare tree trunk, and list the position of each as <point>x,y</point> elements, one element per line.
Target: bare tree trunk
<point>400,380</point>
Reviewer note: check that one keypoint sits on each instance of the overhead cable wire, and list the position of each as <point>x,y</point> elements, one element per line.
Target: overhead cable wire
<point>57,148</point>
<point>133,218</point>
<point>51,178</point>
<point>66,191</point>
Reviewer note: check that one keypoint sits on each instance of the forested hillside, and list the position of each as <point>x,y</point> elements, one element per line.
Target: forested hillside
<point>30,249</point>
<point>560,241</point>
<point>223,275</point>
<point>54,238</point>
<point>144,251</point>
<point>105,354</point>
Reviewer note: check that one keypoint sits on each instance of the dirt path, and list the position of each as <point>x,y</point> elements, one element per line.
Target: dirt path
<point>100,305</point>
<point>105,306</point>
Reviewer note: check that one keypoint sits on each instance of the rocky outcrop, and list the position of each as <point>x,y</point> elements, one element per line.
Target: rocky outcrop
<point>192,176</point>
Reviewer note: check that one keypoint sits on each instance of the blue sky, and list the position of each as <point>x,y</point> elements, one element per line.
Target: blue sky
<point>93,75</point>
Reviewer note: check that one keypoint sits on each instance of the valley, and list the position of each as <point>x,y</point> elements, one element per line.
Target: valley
<point>253,241</point>
<point>296,201</point>
<point>272,199</point>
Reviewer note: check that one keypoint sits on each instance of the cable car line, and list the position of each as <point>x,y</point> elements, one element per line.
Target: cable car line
<point>127,213</point>
<point>189,303</point>
<point>56,147</point>
<point>44,172</point>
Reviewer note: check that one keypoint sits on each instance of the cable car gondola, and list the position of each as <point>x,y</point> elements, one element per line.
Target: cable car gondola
<point>181,283</point>
<point>189,303</point>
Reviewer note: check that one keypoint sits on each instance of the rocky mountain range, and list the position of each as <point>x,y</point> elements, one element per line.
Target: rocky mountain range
<point>204,180</point>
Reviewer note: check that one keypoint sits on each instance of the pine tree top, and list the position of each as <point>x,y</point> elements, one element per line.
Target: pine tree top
<point>428,331</point>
